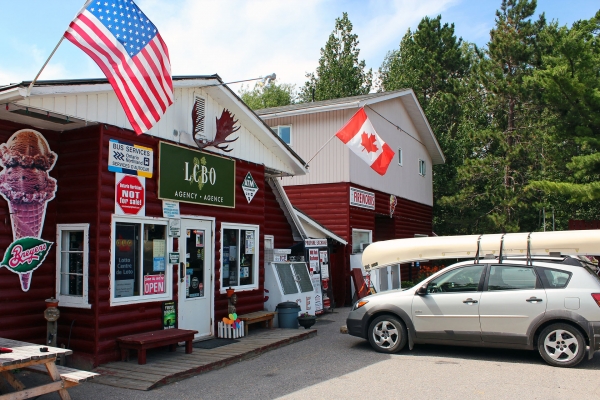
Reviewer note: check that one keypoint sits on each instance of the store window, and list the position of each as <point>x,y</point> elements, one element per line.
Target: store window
<point>239,256</point>
<point>284,132</point>
<point>72,261</point>
<point>422,167</point>
<point>361,238</point>
<point>139,265</point>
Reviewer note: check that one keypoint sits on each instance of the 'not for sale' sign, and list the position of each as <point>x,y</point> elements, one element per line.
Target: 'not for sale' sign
<point>130,195</point>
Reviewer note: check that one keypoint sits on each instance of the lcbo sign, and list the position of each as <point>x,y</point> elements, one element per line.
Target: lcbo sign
<point>130,193</point>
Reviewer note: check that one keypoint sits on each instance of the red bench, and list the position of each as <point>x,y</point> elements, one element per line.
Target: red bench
<point>149,340</point>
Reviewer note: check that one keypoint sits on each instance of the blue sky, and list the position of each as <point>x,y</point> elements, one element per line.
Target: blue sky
<point>247,39</point>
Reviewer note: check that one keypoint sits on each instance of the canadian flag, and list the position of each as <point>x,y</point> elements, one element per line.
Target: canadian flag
<point>360,136</point>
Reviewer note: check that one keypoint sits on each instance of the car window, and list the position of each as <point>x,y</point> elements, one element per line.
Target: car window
<point>555,278</point>
<point>510,277</point>
<point>464,279</point>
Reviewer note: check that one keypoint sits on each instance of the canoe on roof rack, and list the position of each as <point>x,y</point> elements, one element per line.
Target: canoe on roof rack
<point>400,251</point>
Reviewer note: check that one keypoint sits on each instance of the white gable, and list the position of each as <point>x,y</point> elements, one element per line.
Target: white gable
<point>97,103</point>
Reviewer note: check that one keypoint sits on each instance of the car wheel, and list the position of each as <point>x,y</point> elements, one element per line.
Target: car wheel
<point>561,345</point>
<point>387,334</point>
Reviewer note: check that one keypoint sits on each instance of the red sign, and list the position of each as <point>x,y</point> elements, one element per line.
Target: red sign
<point>154,284</point>
<point>130,194</point>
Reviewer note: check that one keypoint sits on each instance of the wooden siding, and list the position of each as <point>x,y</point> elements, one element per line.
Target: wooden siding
<point>117,320</point>
<point>335,163</point>
<point>328,204</point>
<point>22,313</point>
<point>104,107</point>
<point>86,192</point>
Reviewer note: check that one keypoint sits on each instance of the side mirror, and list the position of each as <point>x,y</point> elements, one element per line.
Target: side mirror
<point>422,291</point>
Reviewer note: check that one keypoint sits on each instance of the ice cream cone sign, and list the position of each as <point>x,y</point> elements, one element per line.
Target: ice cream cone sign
<point>27,187</point>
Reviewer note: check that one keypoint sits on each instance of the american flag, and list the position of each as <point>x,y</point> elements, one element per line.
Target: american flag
<point>119,37</point>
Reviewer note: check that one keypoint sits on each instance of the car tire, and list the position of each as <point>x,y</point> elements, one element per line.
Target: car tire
<point>561,345</point>
<point>387,334</point>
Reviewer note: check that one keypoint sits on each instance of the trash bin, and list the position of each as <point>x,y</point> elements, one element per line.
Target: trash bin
<point>288,314</point>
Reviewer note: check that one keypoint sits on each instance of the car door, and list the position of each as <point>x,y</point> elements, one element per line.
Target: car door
<point>450,308</point>
<point>513,297</point>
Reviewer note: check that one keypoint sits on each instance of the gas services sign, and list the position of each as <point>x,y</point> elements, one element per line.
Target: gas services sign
<point>362,198</point>
<point>193,176</point>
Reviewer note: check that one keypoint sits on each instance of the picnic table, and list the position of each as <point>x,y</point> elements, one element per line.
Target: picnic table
<point>37,357</point>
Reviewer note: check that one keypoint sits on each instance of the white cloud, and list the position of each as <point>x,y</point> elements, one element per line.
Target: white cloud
<point>242,40</point>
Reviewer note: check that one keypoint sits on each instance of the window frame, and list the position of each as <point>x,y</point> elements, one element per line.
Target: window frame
<point>276,130</point>
<point>538,282</point>
<point>255,266</point>
<point>422,167</point>
<point>479,288</point>
<point>168,294</point>
<point>400,158</point>
<point>358,230</point>
<point>66,300</point>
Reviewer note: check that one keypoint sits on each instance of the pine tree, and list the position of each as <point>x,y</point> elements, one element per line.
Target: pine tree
<point>570,85</point>
<point>506,150</point>
<point>340,73</point>
<point>434,63</point>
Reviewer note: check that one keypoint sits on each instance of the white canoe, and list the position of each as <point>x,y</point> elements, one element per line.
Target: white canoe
<point>400,251</point>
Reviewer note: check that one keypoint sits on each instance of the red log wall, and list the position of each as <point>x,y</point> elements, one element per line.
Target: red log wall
<point>329,205</point>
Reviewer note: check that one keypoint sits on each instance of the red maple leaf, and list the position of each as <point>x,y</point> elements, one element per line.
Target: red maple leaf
<point>368,142</point>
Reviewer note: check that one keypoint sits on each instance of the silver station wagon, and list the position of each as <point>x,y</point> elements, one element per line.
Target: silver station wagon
<point>551,304</point>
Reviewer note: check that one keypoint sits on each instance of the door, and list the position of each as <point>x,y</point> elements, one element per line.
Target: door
<point>513,300</point>
<point>195,273</point>
<point>450,309</point>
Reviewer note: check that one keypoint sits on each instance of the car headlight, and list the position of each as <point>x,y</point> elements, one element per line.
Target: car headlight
<point>359,304</point>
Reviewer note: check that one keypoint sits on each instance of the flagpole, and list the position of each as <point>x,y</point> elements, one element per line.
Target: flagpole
<point>43,66</point>
<point>51,54</point>
<point>322,147</point>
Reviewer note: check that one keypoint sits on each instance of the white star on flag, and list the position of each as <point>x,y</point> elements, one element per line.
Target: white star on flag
<point>360,136</point>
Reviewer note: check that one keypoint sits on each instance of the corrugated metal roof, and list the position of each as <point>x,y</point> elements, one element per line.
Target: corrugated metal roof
<point>98,81</point>
<point>318,104</point>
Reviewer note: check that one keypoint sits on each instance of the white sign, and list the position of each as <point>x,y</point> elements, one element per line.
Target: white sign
<point>362,198</point>
<point>170,209</point>
<point>315,242</point>
<point>130,158</point>
<point>316,281</point>
<point>250,187</point>
<point>174,227</point>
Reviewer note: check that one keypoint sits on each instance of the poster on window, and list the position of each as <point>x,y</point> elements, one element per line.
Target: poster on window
<point>154,284</point>
<point>249,242</point>
<point>225,261</point>
<point>194,288</point>
<point>199,238</point>
<point>325,271</point>
<point>323,256</point>
<point>313,259</point>
<point>124,260</point>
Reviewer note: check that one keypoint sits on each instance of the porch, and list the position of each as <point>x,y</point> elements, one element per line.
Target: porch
<point>164,367</point>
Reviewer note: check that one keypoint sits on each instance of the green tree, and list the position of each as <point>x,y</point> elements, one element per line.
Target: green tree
<point>506,152</point>
<point>265,96</point>
<point>569,83</point>
<point>340,73</point>
<point>435,64</point>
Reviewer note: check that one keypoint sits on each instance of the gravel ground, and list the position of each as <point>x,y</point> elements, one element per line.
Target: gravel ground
<point>333,365</point>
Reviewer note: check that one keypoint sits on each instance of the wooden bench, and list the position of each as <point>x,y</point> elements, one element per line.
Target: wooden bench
<point>75,376</point>
<point>258,316</point>
<point>149,340</point>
